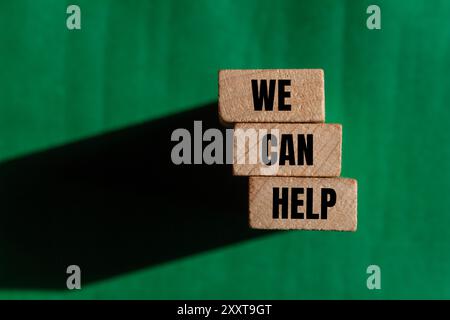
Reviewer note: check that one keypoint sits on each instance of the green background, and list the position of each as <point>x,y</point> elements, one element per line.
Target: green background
<point>139,60</point>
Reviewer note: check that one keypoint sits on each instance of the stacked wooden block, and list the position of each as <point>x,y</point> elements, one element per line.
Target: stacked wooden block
<point>278,117</point>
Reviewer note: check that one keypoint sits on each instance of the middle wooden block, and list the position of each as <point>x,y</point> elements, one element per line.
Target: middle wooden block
<point>283,149</point>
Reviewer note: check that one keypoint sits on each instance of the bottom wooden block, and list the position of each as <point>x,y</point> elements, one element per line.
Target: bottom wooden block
<point>303,203</point>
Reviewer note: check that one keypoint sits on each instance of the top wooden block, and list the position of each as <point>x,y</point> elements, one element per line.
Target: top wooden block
<point>278,95</point>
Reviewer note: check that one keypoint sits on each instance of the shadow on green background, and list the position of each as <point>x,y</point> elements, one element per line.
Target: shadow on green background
<point>139,61</point>
<point>114,204</point>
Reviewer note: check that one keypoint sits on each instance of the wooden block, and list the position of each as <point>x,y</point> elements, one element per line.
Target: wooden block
<point>278,95</point>
<point>299,149</point>
<point>303,203</point>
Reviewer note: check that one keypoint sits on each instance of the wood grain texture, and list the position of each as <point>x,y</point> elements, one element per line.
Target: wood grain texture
<point>326,149</point>
<point>307,98</point>
<point>341,217</point>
